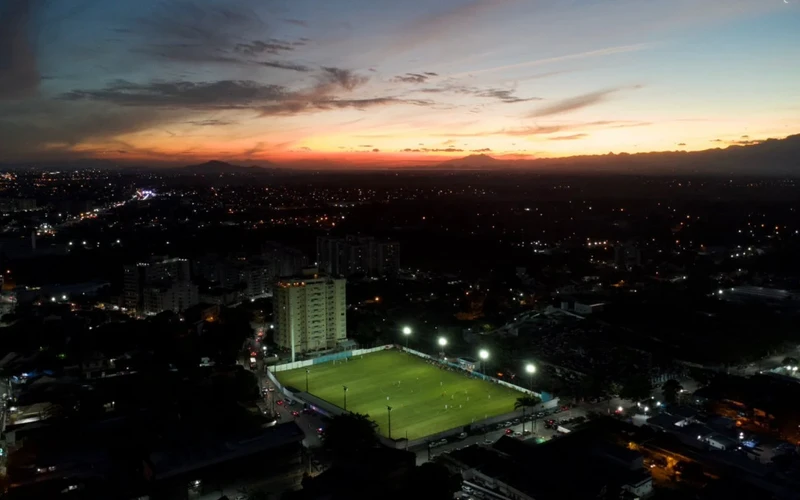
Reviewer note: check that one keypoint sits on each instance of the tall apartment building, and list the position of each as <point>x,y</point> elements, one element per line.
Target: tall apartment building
<point>309,312</point>
<point>627,256</point>
<point>158,273</point>
<point>249,277</point>
<point>283,260</point>
<point>357,255</point>
<point>176,297</point>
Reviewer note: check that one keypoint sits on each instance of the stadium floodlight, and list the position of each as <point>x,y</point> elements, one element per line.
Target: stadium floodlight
<point>442,341</point>
<point>406,334</point>
<point>484,355</point>
<point>531,370</point>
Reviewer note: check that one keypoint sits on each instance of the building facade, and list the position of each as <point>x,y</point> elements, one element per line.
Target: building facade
<point>309,312</point>
<point>358,256</point>
<point>143,278</point>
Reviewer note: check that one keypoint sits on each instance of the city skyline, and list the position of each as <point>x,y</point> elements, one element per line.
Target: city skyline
<point>379,83</point>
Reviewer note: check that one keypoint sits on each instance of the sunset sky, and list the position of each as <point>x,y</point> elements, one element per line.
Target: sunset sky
<point>392,82</point>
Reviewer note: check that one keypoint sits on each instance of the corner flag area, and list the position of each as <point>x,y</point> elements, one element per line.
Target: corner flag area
<point>425,398</point>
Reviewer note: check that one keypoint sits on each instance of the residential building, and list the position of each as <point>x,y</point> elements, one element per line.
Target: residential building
<point>358,256</point>
<point>177,297</point>
<point>627,256</point>
<point>309,312</point>
<point>282,260</point>
<point>158,273</point>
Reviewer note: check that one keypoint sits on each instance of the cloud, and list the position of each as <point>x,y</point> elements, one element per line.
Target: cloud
<point>411,78</point>
<point>573,137</point>
<point>549,129</point>
<point>285,65</point>
<point>19,73</point>
<point>432,150</point>
<point>210,123</point>
<point>574,103</point>
<point>482,150</point>
<point>430,73</point>
<point>681,144</point>
<point>184,31</point>
<point>566,57</point>
<point>443,25</point>
<point>365,146</point>
<point>294,106</point>
<point>223,94</point>
<point>505,96</point>
<point>716,140</point>
<point>296,22</point>
<point>745,137</point>
<point>344,78</point>
<point>376,150</point>
<point>43,128</point>
<point>258,47</point>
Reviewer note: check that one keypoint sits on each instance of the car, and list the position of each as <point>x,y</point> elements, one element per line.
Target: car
<point>295,414</point>
<point>515,421</point>
<point>463,435</point>
<point>320,431</point>
<point>517,434</point>
<point>280,402</point>
<point>509,432</point>
<point>292,403</point>
<point>526,432</point>
<point>488,441</point>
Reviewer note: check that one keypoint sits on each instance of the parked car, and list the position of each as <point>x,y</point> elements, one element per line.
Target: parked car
<point>295,414</point>
<point>463,435</point>
<point>509,432</point>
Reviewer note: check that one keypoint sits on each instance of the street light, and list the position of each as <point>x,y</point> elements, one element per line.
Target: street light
<point>531,370</point>
<point>345,397</point>
<point>389,409</point>
<point>484,355</point>
<point>307,370</point>
<point>442,343</point>
<point>407,333</point>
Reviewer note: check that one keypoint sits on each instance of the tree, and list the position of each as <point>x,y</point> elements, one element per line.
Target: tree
<point>526,402</point>
<point>435,481</point>
<point>701,376</point>
<point>670,389</point>
<point>350,433</point>
<point>636,388</point>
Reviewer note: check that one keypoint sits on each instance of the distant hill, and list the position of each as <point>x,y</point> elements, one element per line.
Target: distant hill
<point>220,167</point>
<point>473,161</point>
<point>769,157</point>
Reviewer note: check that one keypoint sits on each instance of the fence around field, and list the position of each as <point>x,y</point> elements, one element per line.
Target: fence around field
<point>337,356</point>
<point>544,396</point>
<point>330,409</point>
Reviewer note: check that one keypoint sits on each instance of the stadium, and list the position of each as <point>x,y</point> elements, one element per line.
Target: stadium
<point>426,397</point>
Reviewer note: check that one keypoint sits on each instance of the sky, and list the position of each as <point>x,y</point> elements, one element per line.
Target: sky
<point>379,82</point>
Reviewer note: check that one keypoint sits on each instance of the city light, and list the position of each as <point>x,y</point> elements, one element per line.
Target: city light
<point>442,341</point>
<point>406,330</point>
<point>530,368</point>
<point>484,354</point>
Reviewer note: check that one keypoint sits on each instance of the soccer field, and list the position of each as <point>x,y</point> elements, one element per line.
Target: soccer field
<point>425,399</point>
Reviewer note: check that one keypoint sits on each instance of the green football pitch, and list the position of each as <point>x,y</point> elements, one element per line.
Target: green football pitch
<point>425,399</point>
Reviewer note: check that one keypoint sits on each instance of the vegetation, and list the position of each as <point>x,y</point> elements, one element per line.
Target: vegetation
<point>350,433</point>
<point>527,402</point>
<point>671,389</point>
<point>425,399</point>
<point>636,388</point>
